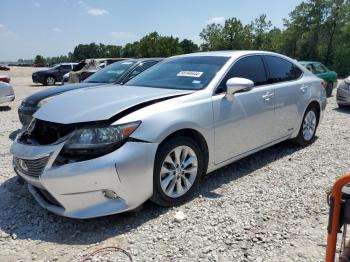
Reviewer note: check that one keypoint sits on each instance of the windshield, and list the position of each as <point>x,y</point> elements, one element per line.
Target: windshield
<point>111,73</point>
<point>189,73</point>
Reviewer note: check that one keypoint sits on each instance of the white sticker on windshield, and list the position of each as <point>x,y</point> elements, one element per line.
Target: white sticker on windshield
<point>126,63</point>
<point>196,82</point>
<point>190,73</point>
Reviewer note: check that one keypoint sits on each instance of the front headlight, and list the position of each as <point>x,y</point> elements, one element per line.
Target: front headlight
<point>101,137</point>
<point>43,101</point>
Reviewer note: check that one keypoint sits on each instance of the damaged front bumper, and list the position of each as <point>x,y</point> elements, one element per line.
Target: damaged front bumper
<point>116,182</point>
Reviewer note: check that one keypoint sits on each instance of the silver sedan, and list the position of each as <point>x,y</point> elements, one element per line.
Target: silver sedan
<point>343,93</point>
<point>101,151</point>
<point>6,93</point>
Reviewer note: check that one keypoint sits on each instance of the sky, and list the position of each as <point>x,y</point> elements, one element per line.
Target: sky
<point>55,27</point>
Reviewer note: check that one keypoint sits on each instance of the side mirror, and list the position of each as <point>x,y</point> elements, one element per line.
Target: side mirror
<point>237,84</point>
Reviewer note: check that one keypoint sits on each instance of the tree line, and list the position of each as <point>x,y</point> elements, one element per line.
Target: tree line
<point>315,30</point>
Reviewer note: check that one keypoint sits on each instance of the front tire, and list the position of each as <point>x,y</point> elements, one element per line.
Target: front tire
<point>308,127</point>
<point>178,166</point>
<point>49,81</point>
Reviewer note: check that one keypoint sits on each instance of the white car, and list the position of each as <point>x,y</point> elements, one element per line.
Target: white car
<point>6,93</point>
<point>103,150</point>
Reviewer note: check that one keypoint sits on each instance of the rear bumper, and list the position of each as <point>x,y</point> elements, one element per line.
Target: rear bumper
<point>7,98</point>
<point>78,190</point>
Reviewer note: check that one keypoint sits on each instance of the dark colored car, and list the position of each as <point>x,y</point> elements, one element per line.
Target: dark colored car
<point>329,76</point>
<point>118,73</point>
<point>52,75</point>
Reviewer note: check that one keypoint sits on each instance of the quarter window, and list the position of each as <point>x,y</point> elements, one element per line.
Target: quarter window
<point>281,70</point>
<point>251,67</point>
<point>65,67</point>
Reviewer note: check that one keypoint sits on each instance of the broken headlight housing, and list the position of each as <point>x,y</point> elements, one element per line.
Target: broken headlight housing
<point>97,141</point>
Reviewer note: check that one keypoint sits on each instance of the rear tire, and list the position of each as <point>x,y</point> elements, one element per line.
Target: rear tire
<point>329,89</point>
<point>49,81</point>
<point>178,166</point>
<point>308,127</point>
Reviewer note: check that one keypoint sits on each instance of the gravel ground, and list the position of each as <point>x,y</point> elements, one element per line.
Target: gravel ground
<point>270,206</point>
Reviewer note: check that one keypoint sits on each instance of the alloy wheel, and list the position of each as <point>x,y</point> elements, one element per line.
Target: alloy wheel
<point>309,125</point>
<point>178,171</point>
<point>50,81</point>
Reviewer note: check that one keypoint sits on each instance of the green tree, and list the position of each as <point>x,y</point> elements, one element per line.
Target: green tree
<point>213,38</point>
<point>261,32</point>
<point>39,60</point>
<point>188,46</point>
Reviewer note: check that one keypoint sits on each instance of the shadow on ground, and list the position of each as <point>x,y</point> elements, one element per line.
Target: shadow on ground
<point>344,109</point>
<point>22,216</point>
<point>5,108</point>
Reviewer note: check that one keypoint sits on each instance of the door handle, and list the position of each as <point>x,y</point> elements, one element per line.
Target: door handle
<point>303,89</point>
<point>267,96</point>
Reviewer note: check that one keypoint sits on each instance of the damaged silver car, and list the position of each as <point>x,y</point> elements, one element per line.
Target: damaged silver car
<point>100,151</point>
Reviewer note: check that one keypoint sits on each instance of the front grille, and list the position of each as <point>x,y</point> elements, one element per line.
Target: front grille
<point>45,133</point>
<point>341,98</point>
<point>32,168</point>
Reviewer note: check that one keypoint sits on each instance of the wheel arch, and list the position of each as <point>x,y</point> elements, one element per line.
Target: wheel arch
<point>317,105</point>
<point>197,136</point>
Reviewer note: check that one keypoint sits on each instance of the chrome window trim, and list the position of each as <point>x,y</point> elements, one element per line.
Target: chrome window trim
<point>257,54</point>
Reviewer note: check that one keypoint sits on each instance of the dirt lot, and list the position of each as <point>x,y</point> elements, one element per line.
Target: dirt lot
<point>270,206</point>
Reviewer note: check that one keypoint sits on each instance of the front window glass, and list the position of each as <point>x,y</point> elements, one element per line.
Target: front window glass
<point>319,68</point>
<point>250,67</point>
<point>111,73</point>
<point>188,73</point>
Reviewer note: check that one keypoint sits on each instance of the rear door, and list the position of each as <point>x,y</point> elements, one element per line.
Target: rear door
<point>290,93</point>
<point>244,121</point>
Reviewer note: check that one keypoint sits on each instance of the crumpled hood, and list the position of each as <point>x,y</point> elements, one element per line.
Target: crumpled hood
<point>99,103</point>
<point>35,98</point>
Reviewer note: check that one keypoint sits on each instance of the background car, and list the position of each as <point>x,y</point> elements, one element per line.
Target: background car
<point>4,68</point>
<point>88,67</point>
<point>6,93</point>
<point>52,75</point>
<point>343,93</point>
<point>117,73</point>
<point>5,78</point>
<point>322,72</point>
<point>108,149</point>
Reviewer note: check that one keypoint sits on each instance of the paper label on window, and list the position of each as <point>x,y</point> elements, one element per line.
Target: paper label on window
<point>190,74</point>
<point>126,63</point>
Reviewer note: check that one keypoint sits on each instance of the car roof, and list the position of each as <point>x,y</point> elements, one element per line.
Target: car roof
<point>232,53</point>
<point>309,62</point>
<point>144,59</point>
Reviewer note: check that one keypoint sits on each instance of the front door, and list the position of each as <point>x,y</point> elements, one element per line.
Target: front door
<point>243,121</point>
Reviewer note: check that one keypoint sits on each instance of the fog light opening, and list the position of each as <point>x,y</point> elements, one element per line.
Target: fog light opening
<point>110,194</point>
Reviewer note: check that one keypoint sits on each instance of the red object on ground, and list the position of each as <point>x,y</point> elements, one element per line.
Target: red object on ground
<point>4,78</point>
<point>4,68</point>
<point>336,196</point>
